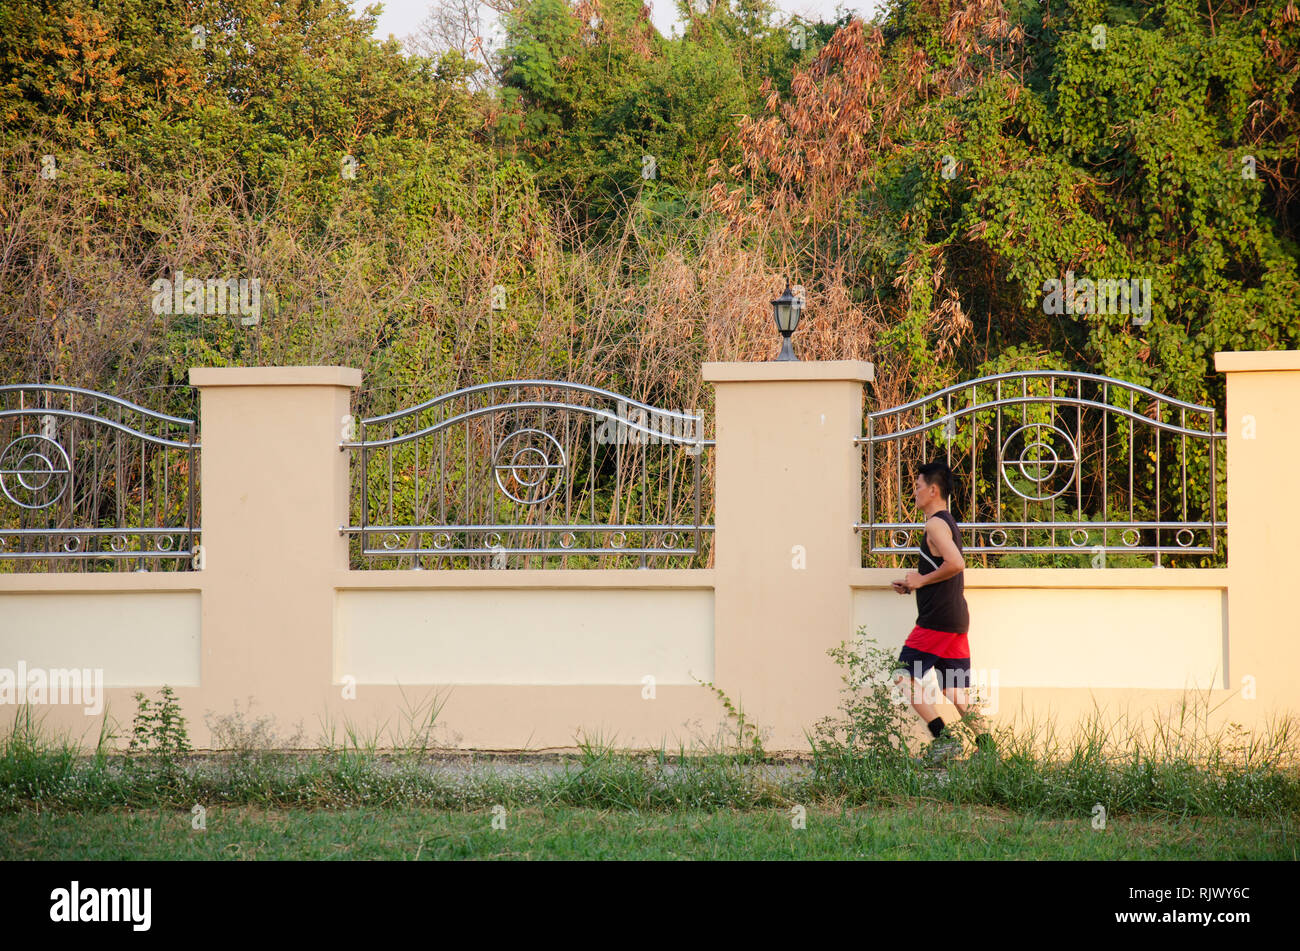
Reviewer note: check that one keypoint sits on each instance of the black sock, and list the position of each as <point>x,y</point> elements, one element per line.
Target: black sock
<point>936,726</point>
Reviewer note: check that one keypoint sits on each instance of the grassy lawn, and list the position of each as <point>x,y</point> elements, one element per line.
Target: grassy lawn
<point>1188,792</point>
<point>925,830</point>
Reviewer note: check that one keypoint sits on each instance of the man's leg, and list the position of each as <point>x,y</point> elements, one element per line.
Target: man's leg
<point>909,677</point>
<point>957,689</point>
<point>913,688</point>
<point>912,683</point>
<point>970,712</point>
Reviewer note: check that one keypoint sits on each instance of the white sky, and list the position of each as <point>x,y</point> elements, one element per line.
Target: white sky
<point>403,17</point>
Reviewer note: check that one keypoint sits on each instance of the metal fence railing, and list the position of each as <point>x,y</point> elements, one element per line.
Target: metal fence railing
<point>91,482</point>
<point>529,473</point>
<point>1052,467</point>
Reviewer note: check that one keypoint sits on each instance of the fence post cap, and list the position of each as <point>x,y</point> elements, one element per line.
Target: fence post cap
<point>1234,361</point>
<point>275,376</point>
<point>856,371</point>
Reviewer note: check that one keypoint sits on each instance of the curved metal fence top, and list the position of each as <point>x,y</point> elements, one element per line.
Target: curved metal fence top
<point>167,426</point>
<point>126,404</point>
<point>692,422</point>
<point>1029,398</point>
<point>967,385</point>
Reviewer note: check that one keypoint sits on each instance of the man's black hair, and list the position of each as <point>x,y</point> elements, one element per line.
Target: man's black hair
<point>937,473</point>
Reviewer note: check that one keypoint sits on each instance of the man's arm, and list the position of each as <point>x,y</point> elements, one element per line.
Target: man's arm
<point>939,538</point>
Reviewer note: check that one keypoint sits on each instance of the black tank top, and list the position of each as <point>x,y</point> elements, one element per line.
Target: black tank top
<point>942,606</point>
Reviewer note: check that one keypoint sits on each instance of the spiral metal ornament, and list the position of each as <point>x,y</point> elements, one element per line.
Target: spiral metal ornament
<point>526,466</point>
<point>1038,463</point>
<point>34,472</point>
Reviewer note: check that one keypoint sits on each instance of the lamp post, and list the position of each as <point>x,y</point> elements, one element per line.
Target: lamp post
<point>786,310</point>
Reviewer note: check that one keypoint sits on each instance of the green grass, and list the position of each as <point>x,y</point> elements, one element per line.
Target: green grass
<point>1171,788</point>
<point>62,783</point>
<point>924,830</point>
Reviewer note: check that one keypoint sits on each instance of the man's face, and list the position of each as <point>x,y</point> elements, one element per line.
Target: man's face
<point>923,492</point>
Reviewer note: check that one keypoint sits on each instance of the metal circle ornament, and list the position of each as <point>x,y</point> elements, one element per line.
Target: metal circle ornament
<point>1042,471</point>
<point>34,472</point>
<point>528,461</point>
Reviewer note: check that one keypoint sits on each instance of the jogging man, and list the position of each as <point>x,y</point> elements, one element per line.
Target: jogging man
<point>938,640</point>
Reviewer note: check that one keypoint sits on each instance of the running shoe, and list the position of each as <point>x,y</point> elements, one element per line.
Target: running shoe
<point>943,748</point>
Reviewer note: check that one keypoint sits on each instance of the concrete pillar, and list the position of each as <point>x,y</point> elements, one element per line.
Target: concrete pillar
<point>788,492</point>
<point>274,494</point>
<point>1263,436</point>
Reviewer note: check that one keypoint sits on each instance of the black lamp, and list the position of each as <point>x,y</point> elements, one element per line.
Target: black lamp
<point>786,310</point>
